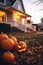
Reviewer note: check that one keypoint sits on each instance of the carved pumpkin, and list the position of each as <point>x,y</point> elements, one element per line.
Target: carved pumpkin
<point>8,57</point>
<point>21,47</point>
<point>7,44</point>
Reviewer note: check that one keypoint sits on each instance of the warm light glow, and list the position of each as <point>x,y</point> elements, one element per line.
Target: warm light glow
<point>1,16</point>
<point>2,13</point>
<point>18,16</point>
<point>23,21</point>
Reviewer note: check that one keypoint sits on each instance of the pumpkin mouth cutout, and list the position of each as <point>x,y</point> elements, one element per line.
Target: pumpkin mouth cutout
<point>21,47</point>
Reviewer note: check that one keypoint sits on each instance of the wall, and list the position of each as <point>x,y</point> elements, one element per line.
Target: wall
<point>18,6</point>
<point>34,28</point>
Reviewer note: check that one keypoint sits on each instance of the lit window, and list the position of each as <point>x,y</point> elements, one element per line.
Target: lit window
<point>23,21</point>
<point>2,16</point>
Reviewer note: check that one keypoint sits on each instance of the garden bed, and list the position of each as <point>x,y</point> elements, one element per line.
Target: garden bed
<point>34,53</point>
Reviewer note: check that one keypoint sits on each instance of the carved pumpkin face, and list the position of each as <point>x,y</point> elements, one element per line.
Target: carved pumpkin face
<point>8,57</point>
<point>21,47</point>
<point>7,44</point>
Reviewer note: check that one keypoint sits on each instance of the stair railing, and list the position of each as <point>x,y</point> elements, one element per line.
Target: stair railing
<point>20,26</point>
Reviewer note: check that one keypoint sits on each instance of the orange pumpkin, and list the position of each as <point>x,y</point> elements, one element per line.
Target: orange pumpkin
<point>8,57</point>
<point>7,44</point>
<point>21,47</point>
<point>14,39</point>
<point>3,36</point>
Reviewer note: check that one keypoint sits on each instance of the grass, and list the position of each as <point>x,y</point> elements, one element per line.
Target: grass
<point>28,36</point>
<point>33,41</point>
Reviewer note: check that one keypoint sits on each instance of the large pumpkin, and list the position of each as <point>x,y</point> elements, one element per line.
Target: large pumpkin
<point>7,44</point>
<point>21,47</point>
<point>8,57</point>
<point>14,39</point>
<point>3,36</point>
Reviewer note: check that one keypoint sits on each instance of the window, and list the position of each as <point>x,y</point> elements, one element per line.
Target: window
<point>2,16</point>
<point>28,21</point>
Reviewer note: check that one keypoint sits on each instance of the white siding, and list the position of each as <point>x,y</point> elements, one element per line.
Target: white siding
<point>18,5</point>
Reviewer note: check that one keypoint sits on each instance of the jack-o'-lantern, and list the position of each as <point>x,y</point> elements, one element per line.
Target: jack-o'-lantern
<point>8,57</point>
<point>21,47</point>
<point>7,44</point>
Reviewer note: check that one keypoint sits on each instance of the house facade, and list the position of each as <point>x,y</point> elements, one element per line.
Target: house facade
<point>12,12</point>
<point>40,25</point>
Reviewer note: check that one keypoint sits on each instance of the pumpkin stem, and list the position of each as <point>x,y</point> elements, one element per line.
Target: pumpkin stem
<point>9,35</point>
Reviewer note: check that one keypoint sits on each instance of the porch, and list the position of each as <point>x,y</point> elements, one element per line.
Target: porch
<point>16,19</point>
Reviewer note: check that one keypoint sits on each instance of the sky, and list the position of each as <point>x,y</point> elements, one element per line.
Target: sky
<point>35,9</point>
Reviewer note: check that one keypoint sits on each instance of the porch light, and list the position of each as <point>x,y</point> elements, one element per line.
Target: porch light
<point>23,21</point>
<point>18,16</point>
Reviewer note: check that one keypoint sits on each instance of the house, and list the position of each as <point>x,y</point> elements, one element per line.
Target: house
<point>40,25</point>
<point>12,12</point>
<point>35,27</point>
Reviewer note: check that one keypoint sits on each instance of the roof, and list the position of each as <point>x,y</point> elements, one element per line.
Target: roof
<point>2,5</point>
<point>40,24</point>
<point>12,1</point>
<point>11,8</point>
<point>9,4</point>
<point>22,5</point>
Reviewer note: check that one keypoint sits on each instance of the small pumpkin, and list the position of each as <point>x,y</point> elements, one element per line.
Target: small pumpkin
<point>8,57</point>
<point>7,44</point>
<point>21,47</point>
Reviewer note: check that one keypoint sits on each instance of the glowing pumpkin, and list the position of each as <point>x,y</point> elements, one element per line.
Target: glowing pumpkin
<point>21,47</point>
<point>7,44</point>
<point>8,57</point>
